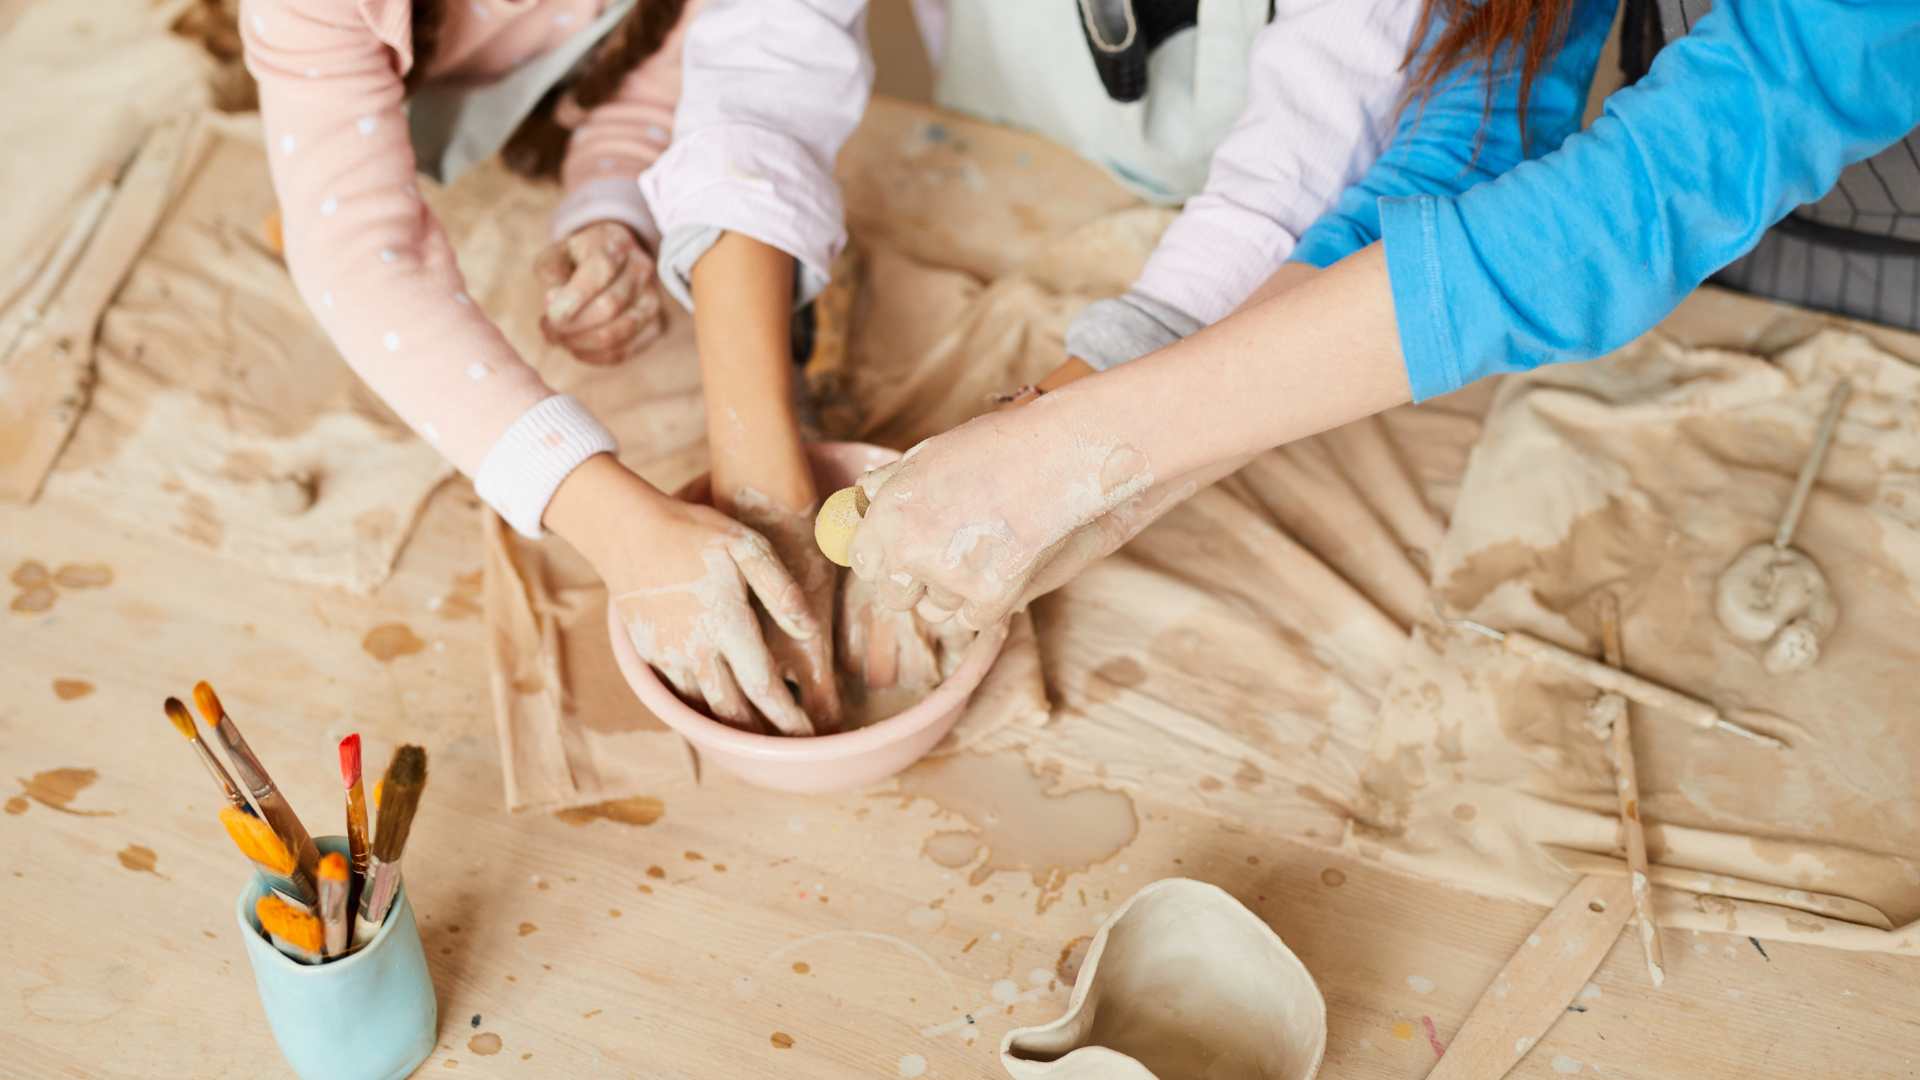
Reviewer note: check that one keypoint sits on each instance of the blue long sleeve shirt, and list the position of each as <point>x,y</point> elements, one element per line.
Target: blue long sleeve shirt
<point>1575,253</point>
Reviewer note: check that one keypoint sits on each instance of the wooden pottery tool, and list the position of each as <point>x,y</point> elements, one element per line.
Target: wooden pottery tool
<point>1651,694</point>
<point>1538,983</point>
<point>1773,593</point>
<point>1614,713</point>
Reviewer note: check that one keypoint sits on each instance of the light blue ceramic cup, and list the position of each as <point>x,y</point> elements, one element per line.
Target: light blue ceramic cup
<point>371,1016</point>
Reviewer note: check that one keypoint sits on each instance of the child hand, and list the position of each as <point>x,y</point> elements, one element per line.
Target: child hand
<point>808,663</point>
<point>603,302</point>
<point>678,576</point>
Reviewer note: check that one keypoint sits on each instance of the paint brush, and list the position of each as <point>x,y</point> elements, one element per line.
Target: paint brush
<point>334,882</point>
<point>356,802</point>
<point>183,723</point>
<point>273,805</point>
<point>258,842</point>
<point>406,778</point>
<point>294,932</point>
<point>1692,710</point>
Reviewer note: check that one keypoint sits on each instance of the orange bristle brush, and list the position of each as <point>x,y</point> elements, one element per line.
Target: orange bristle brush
<point>258,842</point>
<point>334,882</point>
<point>273,805</point>
<point>292,931</point>
<point>183,723</point>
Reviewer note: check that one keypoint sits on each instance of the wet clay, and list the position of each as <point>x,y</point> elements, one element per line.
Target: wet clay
<point>635,811</point>
<point>1777,596</point>
<point>485,1044</point>
<point>390,641</point>
<point>139,859</point>
<point>1018,822</point>
<point>56,788</point>
<point>71,689</point>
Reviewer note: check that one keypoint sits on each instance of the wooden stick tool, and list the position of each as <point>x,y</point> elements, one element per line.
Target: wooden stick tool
<point>1692,710</point>
<point>1612,713</point>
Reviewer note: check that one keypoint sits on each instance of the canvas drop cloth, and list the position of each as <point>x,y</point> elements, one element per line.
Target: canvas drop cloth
<point>1230,659</point>
<point>1644,475</point>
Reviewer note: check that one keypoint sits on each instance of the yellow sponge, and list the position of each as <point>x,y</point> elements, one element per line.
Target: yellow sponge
<point>833,527</point>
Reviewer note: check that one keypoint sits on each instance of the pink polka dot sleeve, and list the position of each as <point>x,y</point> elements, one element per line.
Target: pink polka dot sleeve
<point>375,266</point>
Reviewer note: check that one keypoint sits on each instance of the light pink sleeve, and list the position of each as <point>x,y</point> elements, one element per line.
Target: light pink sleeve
<point>772,89</point>
<point>375,266</point>
<point>619,139</point>
<point>1322,97</point>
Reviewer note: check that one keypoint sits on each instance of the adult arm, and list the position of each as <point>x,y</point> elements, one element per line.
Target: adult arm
<point>1325,79</point>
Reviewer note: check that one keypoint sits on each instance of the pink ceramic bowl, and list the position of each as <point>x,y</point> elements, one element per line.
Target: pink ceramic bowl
<point>840,762</point>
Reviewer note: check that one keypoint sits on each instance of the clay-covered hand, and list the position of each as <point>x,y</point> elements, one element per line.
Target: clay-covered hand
<point>804,662</point>
<point>603,301</point>
<point>888,649</point>
<point>969,520</point>
<point>679,577</point>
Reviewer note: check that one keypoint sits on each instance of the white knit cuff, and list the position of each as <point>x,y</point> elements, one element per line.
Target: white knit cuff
<point>529,460</point>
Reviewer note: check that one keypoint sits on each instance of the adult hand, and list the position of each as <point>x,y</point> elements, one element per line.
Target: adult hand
<point>969,520</point>
<point>888,649</point>
<point>679,577</point>
<point>603,301</point>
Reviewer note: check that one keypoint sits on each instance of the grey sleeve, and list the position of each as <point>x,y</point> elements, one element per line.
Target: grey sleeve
<point>681,248</point>
<point>1111,332</point>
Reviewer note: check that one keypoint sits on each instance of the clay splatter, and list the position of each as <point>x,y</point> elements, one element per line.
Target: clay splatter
<point>1332,878</point>
<point>139,858</point>
<point>1565,1065</point>
<point>527,928</point>
<point>656,872</point>
<point>29,573</point>
<point>389,641</point>
<point>912,1066</point>
<point>71,689</point>
<point>1433,1037</point>
<point>485,1044</point>
<point>801,967</point>
<point>55,788</point>
<point>781,1040</point>
<point>1072,955</point>
<point>83,576</point>
<point>33,600</point>
<point>462,601</point>
<point>1420,984</point>
<point>639,810</point>
<point>1019,821</point>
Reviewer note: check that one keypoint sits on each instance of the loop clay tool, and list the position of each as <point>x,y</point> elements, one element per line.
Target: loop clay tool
<point>1651,694</point>
<point>834,526</point>
<point>1775,594</point>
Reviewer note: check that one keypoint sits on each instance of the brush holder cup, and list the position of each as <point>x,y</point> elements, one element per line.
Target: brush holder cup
<point>370,1016</point>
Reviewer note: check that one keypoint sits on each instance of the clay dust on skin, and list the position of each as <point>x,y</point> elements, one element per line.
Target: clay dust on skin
<point>718,625</point>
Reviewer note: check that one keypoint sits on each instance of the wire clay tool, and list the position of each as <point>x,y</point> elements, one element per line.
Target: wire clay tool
<point>1692,710</point>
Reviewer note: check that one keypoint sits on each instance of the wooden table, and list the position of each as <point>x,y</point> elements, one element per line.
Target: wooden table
<point>740,934</point>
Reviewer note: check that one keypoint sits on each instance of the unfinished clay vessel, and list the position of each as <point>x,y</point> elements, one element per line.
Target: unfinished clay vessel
<point>838,762</point>
<point>1182,983</point>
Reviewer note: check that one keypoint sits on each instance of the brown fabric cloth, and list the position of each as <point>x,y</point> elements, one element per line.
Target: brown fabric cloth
<point>1645,475</point>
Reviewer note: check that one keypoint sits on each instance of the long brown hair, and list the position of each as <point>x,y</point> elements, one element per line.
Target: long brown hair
<point>1489,35</point>
<point>540,144</point>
